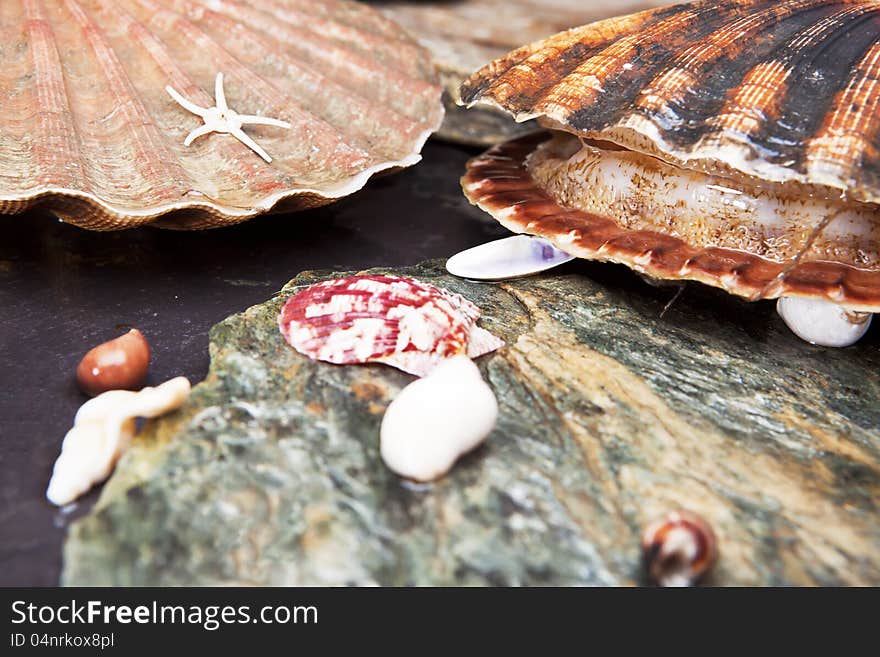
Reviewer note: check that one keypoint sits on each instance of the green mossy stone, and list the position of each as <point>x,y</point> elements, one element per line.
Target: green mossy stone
<point>612,413</point>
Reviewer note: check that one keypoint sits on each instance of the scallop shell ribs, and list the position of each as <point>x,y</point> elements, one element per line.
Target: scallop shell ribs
<point>88,130</point>
<point>466,34</point>
<point>733,143</point>
<point>398,321</point>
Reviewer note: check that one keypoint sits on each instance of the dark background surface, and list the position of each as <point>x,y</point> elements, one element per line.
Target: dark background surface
<point>64,290</point>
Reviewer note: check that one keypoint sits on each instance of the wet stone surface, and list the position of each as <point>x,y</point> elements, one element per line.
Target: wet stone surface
<point>64,290</point>
<point>612,413</point>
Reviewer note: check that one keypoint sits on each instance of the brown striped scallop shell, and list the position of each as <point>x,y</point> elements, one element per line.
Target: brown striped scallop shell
<point>88,131</point>
<point>780,100</point>
<point>466,34</point>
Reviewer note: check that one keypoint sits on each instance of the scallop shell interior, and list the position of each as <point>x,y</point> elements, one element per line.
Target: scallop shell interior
<point>780,91</point>
<point>464,35</point>
<point>88,131</point>
<point>502,183</point>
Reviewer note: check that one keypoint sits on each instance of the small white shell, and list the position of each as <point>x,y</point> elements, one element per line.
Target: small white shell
<point>102,431</point>
<point>823,323</point>
<point>437,419</point>
<point>510,257</point>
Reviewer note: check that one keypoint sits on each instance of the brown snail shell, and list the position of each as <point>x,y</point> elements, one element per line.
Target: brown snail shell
<point>88,131</point>
<point>464,35</point>
<point>679,549</point>
<point>780,99</point>
<point>118,364</point>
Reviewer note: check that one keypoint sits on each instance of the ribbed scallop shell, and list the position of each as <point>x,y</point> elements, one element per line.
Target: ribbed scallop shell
<point>779,102</point>
<point>782,91</point>
<point>499,183</point>
<point>394,320</point>
<point>467,34</point>
<point>88,131</point>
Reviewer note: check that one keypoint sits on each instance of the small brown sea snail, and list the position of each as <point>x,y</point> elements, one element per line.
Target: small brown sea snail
<point>119,364</point>
<point>679,549</point>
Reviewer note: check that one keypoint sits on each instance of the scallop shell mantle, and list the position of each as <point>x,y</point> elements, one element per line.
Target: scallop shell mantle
<point>88,131</point>
<point>780,91</point>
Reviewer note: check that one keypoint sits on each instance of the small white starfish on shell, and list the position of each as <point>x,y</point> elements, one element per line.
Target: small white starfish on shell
<point>223,120</point>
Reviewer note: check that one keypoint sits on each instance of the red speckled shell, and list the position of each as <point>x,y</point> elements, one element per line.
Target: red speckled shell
<point>389,319</point>
<point>88,131</point>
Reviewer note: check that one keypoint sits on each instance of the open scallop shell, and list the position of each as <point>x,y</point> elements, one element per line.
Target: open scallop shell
<point>88,131</point>
<point>467,34</point>
<point>394,320</point>
<point>775,95</point>
<point>499,183</point>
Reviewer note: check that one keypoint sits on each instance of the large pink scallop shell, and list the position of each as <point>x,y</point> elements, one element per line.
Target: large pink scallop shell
<point>394,320</point>
<point>88,131</point>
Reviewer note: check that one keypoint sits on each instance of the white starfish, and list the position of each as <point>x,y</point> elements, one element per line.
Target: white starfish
<point>223,120</point>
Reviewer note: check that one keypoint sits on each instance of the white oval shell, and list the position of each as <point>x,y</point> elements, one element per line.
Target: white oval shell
<point>435,420</point>
<point>509,257</point>
<point>823,323</point>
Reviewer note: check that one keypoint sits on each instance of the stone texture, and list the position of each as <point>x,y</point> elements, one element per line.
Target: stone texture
<point>612,412</point>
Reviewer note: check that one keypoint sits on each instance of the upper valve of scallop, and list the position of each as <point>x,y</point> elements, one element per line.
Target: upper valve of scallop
<point>192,114</point>
<point>735,143</point>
